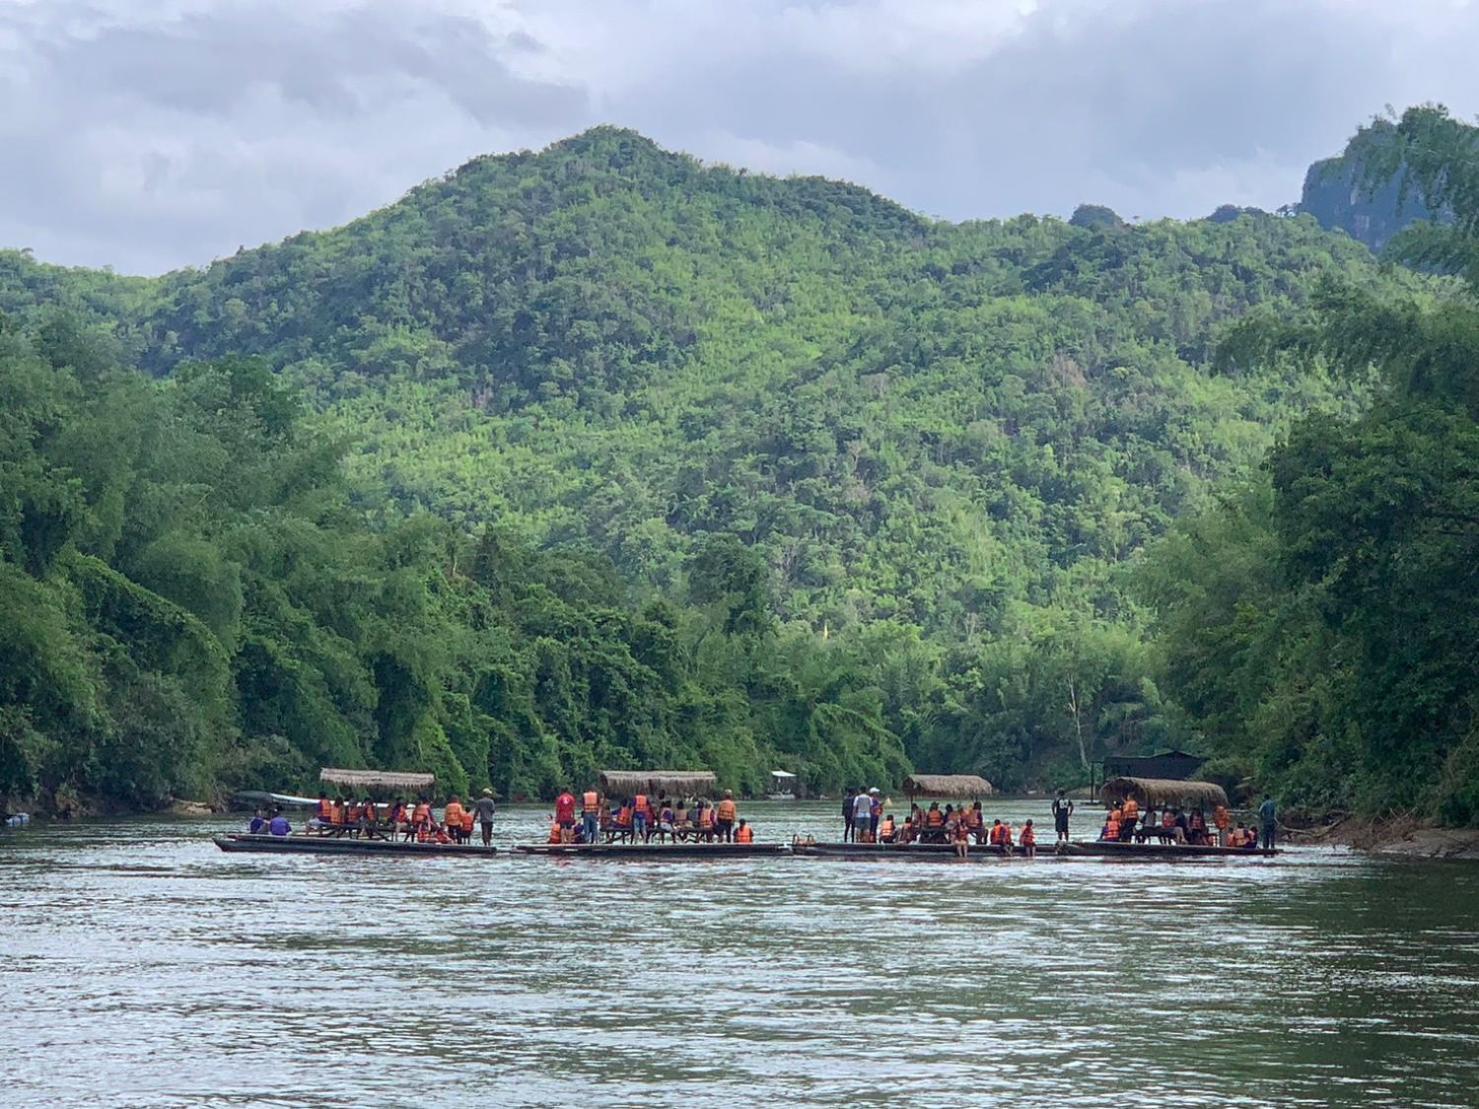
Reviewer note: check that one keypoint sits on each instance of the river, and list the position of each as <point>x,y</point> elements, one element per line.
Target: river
<point>141,966</point>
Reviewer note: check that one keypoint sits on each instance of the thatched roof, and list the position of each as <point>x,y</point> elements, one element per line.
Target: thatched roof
<point>947,785</point>
<point>1160,792</point>
<point>678,783</point>
<point>375,779</point>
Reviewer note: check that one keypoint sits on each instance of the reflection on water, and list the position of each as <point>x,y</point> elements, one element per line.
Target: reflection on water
<point>142,966</point>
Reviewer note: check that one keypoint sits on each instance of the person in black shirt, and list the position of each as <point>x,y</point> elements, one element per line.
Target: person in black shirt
<point>1062,810</point>
<point>847,817</point>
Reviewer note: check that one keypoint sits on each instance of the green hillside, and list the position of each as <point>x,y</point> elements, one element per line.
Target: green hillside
<point>897,468</point>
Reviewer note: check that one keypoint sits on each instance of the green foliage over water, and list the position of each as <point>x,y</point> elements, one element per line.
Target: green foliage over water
<point>1319,625</point>
<point>602,457</point>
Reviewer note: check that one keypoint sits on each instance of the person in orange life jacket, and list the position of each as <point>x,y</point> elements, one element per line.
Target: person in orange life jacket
<point>590,815</point>
<point>1029,840</point>
<point>369,818</point>
<point>452,817</point>
<point>934,824</point>
<point>725,815</point>
<point>680,819</point>
<point>975,821</point>
<point>711,823</point>
<point>887,831</point>
<point>1129,817</point>
<point>641,817</point>
<point>1112,826</point>
<point>744,833</point>
<point>323,813</point>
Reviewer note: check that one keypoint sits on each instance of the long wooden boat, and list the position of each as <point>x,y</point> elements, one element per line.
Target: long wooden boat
<point>344,845</point>
<point>1163,851</point>
<point>652,850</point>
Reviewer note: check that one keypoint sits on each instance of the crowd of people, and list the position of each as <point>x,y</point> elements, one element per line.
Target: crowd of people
<point>865,819</point>
<point>595,819</point>
<point>410,822</point>
<point>1125,823</point>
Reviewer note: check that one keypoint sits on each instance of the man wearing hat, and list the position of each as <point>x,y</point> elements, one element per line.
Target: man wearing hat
<point>485,808</point>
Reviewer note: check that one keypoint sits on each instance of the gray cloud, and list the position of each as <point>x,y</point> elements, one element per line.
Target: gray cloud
<point>152,136</point>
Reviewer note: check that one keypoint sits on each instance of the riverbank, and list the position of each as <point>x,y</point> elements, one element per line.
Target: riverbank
<point>1397,837</point>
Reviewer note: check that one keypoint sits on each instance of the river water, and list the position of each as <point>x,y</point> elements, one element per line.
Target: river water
<point>141,966</point>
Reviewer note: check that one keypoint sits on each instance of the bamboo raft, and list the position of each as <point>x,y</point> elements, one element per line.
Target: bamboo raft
<point>653,850</point>
<point>891,850</point>
<point>340,845</point>
<point>1165,851</point>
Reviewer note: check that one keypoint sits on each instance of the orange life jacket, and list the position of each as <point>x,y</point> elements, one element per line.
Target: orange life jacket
<point>591,802</point>
<point>467,821</point>
<point>325,809</point>
<point>726,810</point>
<point>554,833</point>
<point>422,814</point>
<point>996,834</point>
<point>1029,836</point>
<point>640,804</point>
<point>1113,828</point>
<point>623,817</point>
<point>1006,835</point>
<point>934,818</point>
<point>887,827</point>
<point>336,814</point>
<point>973,818</point>
<point>1118,816</point>
<point>452,814</point>
<point>367,812</point>
<point>745,835</point>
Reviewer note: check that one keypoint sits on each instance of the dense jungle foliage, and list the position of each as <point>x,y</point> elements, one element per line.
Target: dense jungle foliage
<point>600,457</point>
<point>1320,625</point>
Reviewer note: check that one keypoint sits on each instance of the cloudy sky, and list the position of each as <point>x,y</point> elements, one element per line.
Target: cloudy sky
<point>149,134</point>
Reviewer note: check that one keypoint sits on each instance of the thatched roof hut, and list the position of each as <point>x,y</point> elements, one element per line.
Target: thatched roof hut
<point>376,779</point>
<point>947,785</point>
<point>1157,793</point>
<point>675,783</point>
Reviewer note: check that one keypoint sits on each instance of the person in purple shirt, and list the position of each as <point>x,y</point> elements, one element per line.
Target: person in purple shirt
<point>279,825</point>
<point>258,825</point>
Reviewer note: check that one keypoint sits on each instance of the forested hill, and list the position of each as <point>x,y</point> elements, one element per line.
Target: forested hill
<point>895,466</point>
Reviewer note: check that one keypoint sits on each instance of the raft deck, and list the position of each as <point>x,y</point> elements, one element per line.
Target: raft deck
<point>343,845</point>
<point>653,850</point>
<point>893,850</point>
<point>1111,850</point>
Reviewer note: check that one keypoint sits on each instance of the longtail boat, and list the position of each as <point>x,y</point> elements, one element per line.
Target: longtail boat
<point>892,850</point>
<point>344,845</point>
<point>652,850</point>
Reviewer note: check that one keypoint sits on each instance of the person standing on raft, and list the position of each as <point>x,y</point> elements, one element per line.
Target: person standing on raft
<point>1268,822</point>
<point>847,811</point>
<point>725,817</point>
<point>484,808</point>
<point>1062,810</point>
